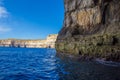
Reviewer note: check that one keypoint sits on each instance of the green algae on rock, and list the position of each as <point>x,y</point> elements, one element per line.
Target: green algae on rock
<point>91,28</point>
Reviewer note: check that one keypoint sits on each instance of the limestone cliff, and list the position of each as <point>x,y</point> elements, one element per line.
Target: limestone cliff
<point>49,42</point>
<point>91,28</point>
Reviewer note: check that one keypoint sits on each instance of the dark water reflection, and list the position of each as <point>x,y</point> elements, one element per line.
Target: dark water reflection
<point>43,64</point>
<point>89,70</point>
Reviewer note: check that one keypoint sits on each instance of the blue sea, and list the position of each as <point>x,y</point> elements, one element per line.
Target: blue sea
<point>45,64</point>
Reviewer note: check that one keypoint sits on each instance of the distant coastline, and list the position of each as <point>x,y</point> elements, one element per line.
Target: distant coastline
<point>49,42</point>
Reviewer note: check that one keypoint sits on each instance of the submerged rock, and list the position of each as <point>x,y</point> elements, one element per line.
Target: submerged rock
<point>91,28</point>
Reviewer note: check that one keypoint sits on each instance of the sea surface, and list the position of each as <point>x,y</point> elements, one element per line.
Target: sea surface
<point>45,64</point>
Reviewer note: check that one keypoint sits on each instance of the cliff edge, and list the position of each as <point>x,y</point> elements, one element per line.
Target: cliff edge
<point>49,42</point>
<point>91,28</point>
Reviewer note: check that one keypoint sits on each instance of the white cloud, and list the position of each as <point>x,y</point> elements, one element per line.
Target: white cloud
<point>4,29</point>
<point>3,10</point>
<point>3,16</point>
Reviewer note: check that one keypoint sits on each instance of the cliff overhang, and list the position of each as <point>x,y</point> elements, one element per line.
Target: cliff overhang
<point>91,28</point>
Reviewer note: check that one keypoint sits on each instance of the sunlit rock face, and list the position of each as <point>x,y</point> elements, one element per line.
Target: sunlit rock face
<point>46,43</point>
<point>50,41</point>
<point>91,28</point>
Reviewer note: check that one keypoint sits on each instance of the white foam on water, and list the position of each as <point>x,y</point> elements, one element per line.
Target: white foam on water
<point>108,63</point>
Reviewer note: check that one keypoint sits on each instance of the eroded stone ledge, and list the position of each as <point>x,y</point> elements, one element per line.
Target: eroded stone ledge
<point>49,42</point>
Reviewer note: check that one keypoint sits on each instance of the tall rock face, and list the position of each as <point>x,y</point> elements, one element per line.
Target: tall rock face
<point>91,28</point>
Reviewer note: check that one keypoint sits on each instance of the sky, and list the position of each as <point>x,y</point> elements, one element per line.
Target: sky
<point>30,19</point>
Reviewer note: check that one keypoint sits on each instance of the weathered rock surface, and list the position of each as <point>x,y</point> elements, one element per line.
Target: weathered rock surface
<point>49,42</point>
<point>91,28</point>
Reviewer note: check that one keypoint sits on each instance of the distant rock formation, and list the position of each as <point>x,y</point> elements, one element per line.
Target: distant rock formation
<point>49,42</point>
<point>91,28</point>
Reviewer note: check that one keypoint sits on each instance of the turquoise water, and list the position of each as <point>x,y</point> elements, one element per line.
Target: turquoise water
<point>44,64</point>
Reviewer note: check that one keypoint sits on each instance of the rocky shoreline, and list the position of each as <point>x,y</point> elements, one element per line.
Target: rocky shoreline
<point>91,29</point>
<point>49,42</point>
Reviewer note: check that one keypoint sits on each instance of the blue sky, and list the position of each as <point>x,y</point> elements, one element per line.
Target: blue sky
<point>30,19</point>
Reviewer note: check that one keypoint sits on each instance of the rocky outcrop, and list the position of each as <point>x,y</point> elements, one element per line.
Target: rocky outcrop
<point>91,28</point>
<point>49,42</point>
